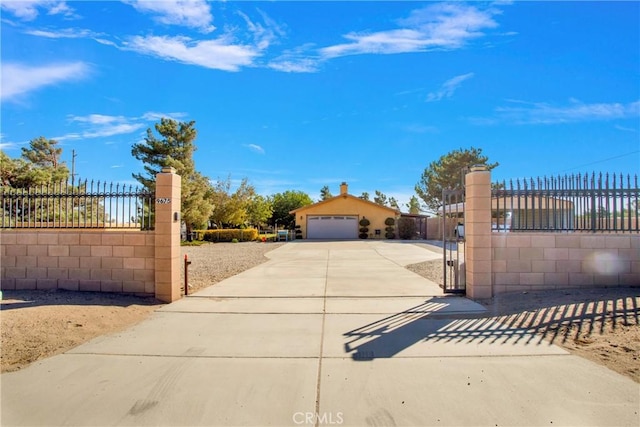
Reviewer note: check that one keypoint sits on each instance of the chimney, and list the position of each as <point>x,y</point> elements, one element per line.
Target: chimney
<point>343,189</point>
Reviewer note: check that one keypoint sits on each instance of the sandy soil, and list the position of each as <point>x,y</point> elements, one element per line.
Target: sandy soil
<point>600,324</point>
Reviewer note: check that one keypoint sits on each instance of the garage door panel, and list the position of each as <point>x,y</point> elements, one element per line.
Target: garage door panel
<point>332,227</point>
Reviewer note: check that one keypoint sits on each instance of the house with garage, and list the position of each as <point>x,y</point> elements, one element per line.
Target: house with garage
<point>340,217</point>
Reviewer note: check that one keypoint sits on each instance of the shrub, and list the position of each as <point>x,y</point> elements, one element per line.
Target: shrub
<point>389,221</point>
<point>363,235</point>
<point>390,235</point>
<point>227,235</point>
<point>364,230</point>
<point>390,229</point>
<point>234,240</point>
<point>364,222</point>
<point>407,228</point>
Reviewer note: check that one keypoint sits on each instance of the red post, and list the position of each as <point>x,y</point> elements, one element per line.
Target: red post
<point>186,275</point>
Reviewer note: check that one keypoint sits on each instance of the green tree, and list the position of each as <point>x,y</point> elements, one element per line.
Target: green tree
<point>175,148</point>
<point>413,205</point>
<point>283,203</point>
<point>365,196</point>
<point>394,203</point>
<point>380,198</point>
<point>325,193</point>
<point>259,210</point>
<point>9,170</point>
<point>238,208</point>
<point>40,164</point>
<point>447,172</point>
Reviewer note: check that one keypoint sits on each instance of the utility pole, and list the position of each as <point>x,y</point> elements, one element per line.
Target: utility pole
<point>73,167</point>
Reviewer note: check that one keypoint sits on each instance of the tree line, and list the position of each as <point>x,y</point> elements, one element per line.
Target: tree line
<point>207,203</point>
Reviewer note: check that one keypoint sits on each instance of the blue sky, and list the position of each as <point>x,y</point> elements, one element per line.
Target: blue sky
<point>298,95</point>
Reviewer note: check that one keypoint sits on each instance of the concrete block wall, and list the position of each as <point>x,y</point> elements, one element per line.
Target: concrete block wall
<point>539,261</point>
<point>86,260</point>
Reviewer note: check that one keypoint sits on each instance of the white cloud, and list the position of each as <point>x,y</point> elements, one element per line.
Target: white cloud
<point>303,65</point>
<point>19,79</point>
<point>625,129</point>
<point>97,119</point>
<point>253,147</point>
<point>113,129</point>
<point>448,88</point>
<point>438,26</point>
<point>296,61</point>
<point>67,33</point>
<point>188,13</point>
<point>156,116</point>
<point>216,54</point>
<point>8,145</point>
<point>263,35</point>
<point>28,10</point>
<point>101,125</point>
<point>576,111</point>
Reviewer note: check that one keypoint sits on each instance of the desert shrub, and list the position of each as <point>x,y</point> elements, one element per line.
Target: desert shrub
<point>227,235</point>
<point>364,222</point>
<point>234,240</point>
<point>407,228</point>
<point>389,221</point>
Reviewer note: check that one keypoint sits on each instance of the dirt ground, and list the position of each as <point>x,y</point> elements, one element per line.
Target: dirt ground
<point>600,324</point>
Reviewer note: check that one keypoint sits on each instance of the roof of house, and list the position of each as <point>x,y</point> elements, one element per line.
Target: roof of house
<point>395,211</point>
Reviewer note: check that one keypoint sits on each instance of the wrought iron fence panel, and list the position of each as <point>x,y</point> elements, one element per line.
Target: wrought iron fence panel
<point>586,203</point>
<point>89,204</point>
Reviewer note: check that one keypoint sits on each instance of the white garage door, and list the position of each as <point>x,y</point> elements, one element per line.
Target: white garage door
<point>332,227</point>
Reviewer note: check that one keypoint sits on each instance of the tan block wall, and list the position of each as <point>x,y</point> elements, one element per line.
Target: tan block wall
<point>87,260</point>
<point>540,261</point>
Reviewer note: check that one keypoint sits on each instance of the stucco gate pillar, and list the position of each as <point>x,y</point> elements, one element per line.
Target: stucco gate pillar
<point>478,233</point>
<point>167,235</point>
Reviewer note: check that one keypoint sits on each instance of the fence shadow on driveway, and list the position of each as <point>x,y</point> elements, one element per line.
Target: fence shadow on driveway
<point>550,317</point>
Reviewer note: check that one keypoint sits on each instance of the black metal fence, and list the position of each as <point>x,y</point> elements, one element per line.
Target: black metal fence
<point>85,205</point>
<point>586,203</point>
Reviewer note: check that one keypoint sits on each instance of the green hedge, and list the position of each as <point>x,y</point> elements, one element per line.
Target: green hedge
<point>227,235</point>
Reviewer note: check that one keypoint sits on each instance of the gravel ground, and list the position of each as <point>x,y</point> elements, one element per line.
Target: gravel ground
<point>213,262</point>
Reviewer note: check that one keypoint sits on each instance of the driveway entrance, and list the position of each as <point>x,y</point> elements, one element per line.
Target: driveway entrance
<point>325,333</point>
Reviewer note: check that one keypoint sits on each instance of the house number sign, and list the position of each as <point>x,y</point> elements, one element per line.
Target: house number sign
<point>163,201</point>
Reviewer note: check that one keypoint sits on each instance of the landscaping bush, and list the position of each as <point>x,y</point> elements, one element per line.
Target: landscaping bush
<point>363,235</point>
<point>228,235</point>
<point>390,235</point>
<point>364,230</point>
<point>390,229</point>
<point>389,221</point>
<point>407,228</point>
<point>364,222</point>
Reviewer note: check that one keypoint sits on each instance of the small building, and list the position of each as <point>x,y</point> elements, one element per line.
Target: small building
<point>524,213</point>
<point>339,217</point>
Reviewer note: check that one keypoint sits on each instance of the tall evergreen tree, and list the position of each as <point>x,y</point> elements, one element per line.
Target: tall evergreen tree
<point>325,193</point>
<point>447,172</point>
<point>175,148</point>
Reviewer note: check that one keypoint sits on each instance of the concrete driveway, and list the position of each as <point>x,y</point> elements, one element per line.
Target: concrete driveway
<point>325,333</point>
